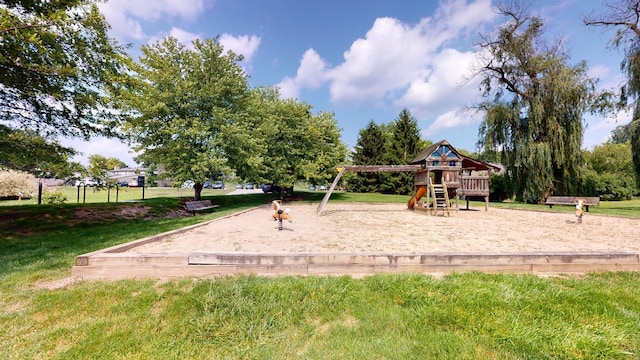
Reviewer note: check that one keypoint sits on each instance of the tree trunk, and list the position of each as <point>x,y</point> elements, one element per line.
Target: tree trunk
<point>197,191</point>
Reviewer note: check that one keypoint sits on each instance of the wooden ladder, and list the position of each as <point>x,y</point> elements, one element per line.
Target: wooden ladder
<point>440,197</point>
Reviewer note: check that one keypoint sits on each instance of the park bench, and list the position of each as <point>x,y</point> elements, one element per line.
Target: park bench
<point>573,200</point>
<point>194,206</point>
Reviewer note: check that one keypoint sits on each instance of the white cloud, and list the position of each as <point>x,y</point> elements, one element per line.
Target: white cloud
<point>598,71</point>
<point>245,45</point>
<point>186,38</point>
<point>413,66</point>
<point>312,73</point>
<point>390,56</point>
<point>183,36</point>
<point>445,86</point>
<point>462,15</point>
<point>125,16</point>
<point>449,120</point>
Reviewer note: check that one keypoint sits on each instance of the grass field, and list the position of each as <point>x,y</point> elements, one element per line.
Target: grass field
<point>81,195</point>
<point>408,316</point>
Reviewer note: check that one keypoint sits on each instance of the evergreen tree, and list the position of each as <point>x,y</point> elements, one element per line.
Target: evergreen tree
<point>404,145</point>
<point>369,150</point>
<point>406,138</point>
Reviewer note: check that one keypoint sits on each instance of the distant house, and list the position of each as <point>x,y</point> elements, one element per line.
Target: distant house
<point>131,176</point>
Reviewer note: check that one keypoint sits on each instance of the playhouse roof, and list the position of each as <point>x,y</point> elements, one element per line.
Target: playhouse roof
<point>444,147</point>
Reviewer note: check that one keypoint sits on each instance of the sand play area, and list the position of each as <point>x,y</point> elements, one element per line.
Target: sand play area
<point>391,228</point>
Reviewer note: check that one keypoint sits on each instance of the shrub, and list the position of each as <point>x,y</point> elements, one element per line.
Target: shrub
<point>12,183</point>
<point>615,186</point>
<point>54,197</point>
<point>501,187</point>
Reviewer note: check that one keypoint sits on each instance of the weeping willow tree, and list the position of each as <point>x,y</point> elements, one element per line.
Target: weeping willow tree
<point>534,105</point>
<point>624,16</point>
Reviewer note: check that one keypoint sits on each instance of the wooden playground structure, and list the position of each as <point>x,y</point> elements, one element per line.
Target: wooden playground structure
<point>441,174</point>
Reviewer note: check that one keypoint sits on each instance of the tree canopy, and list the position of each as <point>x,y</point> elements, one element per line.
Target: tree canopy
<point>192,112</point>
<point>402,147</point>
<point>396,143</point>
<point>535,102</point>
<point>624,16</point>
<point>369,150</point>
<point>27,151</point>
<point>57,68</point>
<point>99,165</point>
<point>297,144</point>
<point>609,172</point>
<point>181,102</point>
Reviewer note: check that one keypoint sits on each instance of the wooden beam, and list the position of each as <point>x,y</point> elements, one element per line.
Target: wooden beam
<point>379,168</point>
<point>325,199</point>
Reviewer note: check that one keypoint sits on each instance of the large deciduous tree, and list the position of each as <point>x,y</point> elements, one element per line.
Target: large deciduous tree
<point>295,143</point>
<point>624,16</point>
<point>610,172</point>
<point>184,99</point>
<point>535,105</point>
<point>57,68</point>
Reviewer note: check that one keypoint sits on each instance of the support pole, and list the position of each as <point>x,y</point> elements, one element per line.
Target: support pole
<point>328,194</point>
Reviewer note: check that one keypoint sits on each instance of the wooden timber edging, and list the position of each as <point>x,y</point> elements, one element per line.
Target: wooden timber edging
<point>209,264</point>
<point>82,260</point>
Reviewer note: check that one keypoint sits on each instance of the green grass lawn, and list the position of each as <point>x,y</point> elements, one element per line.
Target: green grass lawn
<point>459,316</point>
<point>82,195</point>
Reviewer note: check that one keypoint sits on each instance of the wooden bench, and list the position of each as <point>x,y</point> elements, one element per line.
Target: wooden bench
<point>573,200</point>
<point>194,206</point>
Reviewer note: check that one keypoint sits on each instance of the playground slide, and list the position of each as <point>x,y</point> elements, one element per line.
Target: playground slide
<point>419,194</point>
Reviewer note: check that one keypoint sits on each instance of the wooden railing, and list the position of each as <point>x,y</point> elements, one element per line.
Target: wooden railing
<point>450,177</point>
<point>474,185</point>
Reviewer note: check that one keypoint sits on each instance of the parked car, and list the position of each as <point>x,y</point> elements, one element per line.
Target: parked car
<point>248,186</point>
<point>322,188</point>
<point>188,184</point>
<point>270,188</point>
<point>86,182</point>
<point>239,186</point>
<point>312,188</point>
<point>217,185</point>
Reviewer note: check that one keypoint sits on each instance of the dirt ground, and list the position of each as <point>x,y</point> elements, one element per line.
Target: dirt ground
<point>391,228</point>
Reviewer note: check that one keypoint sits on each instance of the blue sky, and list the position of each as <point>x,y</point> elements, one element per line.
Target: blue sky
<point>363,60</point>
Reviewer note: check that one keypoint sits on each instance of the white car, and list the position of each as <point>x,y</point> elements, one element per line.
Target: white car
<point>188,184</point>
<point>86,182</point>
